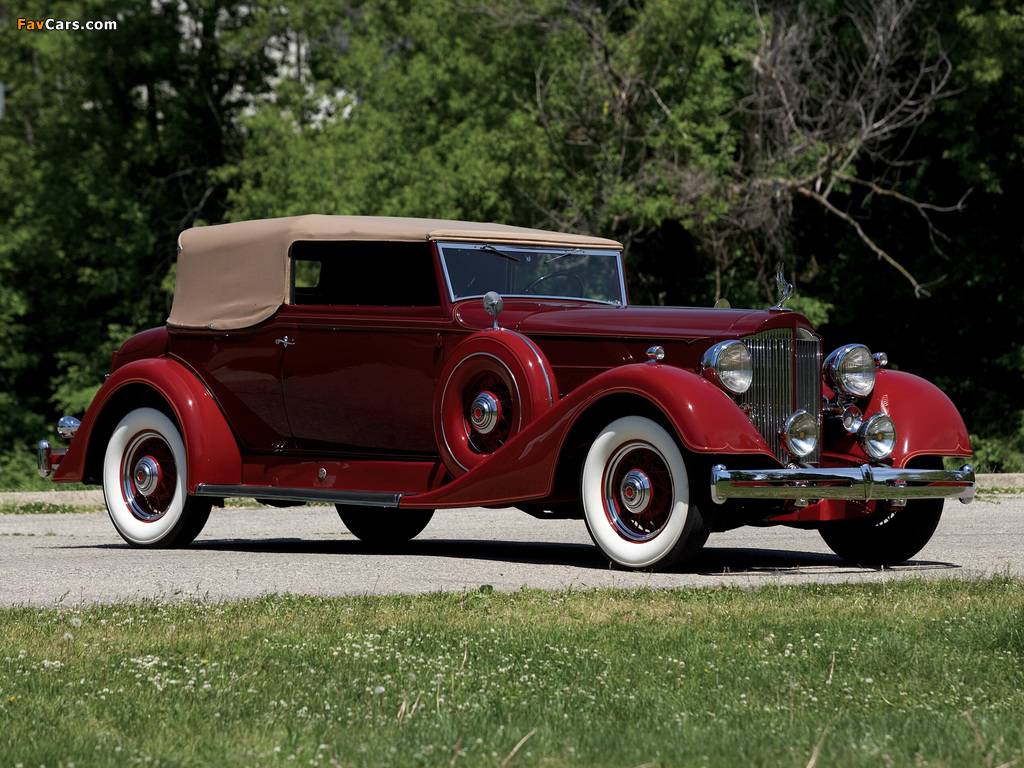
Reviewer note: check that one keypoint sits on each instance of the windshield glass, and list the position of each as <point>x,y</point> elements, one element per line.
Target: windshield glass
<point>590,275</point>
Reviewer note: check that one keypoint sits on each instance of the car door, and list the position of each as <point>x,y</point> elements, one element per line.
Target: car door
<point>242,369</point>
<point>364,351</point>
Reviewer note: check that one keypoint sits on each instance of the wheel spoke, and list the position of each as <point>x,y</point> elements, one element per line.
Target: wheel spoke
<point>638,492</point>
<point>149,503</point>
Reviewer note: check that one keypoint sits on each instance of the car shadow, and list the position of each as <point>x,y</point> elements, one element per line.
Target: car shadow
<point>746,560</point>
<point>541,553</point>
<point>712,561</point>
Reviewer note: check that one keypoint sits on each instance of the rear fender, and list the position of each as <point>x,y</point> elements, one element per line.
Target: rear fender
<point>705,419</point>
<point>210,446</point>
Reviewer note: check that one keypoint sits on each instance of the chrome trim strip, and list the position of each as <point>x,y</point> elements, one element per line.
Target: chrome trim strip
<point>864,483</point>
<point>358,498</point>
<point>540,364</point>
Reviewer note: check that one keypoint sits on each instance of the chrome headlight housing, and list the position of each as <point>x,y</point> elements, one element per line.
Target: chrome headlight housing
<point>850,371</point>
<point>800,434</point>
<point>877,436</point>
<point>728,365</point>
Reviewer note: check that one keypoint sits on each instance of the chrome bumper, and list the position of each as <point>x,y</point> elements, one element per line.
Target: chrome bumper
<point>864,483</point>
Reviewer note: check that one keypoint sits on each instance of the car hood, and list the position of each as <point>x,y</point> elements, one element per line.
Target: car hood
<point>656,323</point>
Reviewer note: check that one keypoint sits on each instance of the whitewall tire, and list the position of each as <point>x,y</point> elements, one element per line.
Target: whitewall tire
<point>637,499</point>
<point>145,483</point>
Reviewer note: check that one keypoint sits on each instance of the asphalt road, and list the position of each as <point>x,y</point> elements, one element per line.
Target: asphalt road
<point>46,560</point>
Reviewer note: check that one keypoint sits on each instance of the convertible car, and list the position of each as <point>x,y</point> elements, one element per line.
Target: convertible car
<point>394,367</point>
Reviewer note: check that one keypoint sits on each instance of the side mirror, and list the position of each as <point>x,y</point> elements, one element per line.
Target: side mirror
<point>493,305</point>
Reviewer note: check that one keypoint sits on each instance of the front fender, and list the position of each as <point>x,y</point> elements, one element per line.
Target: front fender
<point>927,422</point>
<point>210,446</point>
<point>705,419</point>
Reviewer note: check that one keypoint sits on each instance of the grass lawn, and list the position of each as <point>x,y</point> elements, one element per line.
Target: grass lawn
<point>904,673</point>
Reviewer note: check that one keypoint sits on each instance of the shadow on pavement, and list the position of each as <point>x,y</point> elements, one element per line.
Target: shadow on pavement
<point>712,561</point>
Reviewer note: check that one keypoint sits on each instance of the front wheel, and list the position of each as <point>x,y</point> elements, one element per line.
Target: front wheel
<point>637,498</point>
<point>885,538</point>
<point>145,484</point>
<point>384,527</point>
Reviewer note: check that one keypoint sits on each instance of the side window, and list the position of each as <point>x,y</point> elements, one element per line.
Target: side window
<point>366,274</point>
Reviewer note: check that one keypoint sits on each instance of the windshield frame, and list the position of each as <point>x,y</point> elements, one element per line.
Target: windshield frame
<point>516,252</point>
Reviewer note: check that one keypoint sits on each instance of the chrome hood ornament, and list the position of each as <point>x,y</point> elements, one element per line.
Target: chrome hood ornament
<point>785,287</point>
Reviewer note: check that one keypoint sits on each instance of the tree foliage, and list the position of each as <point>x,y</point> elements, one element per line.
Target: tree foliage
<point>714,138</point>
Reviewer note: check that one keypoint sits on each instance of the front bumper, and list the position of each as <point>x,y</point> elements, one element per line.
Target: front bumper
<point>864,483</point>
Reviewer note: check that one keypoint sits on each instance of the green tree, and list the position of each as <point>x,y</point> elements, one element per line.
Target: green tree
<point>967,335</point>
<point>606,119</point>
<point>109,143</point>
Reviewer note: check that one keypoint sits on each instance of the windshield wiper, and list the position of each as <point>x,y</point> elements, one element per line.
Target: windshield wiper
<point>573,252</point>
<point>491,249</point>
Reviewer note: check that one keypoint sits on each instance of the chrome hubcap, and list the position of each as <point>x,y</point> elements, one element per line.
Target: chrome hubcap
<point>484,413</point>
<point>635,491</point>
<point>147,475</point>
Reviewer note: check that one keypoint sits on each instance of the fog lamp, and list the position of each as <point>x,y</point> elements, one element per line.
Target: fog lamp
<point>877,436</point>
<point>800,433</point>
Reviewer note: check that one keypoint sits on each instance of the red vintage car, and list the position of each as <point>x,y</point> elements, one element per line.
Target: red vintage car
<point>394,367</point>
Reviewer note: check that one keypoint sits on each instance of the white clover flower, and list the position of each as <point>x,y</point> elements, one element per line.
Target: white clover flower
<point>378,691</point>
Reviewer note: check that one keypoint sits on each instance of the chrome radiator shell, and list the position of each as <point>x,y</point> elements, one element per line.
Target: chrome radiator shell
<point>787,378</point>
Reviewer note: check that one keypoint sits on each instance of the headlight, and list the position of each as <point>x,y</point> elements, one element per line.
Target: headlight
<point>877,436</point>
<point>850,370</point>
<point>728,365</point>
<point>800,433</point>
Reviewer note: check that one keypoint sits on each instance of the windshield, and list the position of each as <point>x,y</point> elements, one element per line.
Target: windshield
<point>569,273</point>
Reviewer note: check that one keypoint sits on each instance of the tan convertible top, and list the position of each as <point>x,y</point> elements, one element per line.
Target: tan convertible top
<point>236,275</point>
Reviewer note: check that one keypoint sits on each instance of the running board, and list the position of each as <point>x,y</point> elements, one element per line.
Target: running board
<point>274,493</point>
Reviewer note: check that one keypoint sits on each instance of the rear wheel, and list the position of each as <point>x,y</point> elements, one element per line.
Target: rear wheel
<point>384,527</point>
<point>637,498</point>
<point>887,537</point>
<point>145,484</point>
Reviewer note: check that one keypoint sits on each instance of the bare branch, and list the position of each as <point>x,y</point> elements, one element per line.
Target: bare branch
<point>820,108</point>
<point>922,208</point>
<point>919,289</point>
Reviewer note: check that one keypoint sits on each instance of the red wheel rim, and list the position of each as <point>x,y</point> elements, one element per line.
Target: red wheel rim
<point>638,492</point>
<point>149,476</point>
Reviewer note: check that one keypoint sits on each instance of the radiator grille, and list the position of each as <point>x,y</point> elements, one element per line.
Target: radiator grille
<point>787,376</point>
